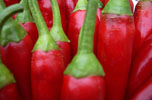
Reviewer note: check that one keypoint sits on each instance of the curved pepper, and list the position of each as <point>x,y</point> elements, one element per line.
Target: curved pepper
<point>58,33</point>
<point>46,10</point>
<point>130,1</point>
<point>11,2</point>
<point>47,61</point>
<point>75,24</point>
<point>141,68</point>
<point>26,21</point>
<point>84,76</point>
<point>143,25</point>
<point>144,93</point>
<point>8,89</point>
<point>114,50</point>
<point>17,47</point>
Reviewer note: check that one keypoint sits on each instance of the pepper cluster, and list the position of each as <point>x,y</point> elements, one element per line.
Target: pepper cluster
<point>75,50</point>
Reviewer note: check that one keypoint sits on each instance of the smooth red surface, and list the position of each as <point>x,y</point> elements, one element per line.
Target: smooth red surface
<point>75,24</point>
<point>17,57</point>
<point>103,1</point>
<point>46,10</point>
<point>31,29</point>
<point>99,13</point>
<point>141,68</point>
<point>143,23</point>
<point>130,1</point>
<point>9,92</point>
<point>69,7</point>
<point>89,88</point>
<point>114,51</point>
<point>66,52</point>
<point>46,74</point>
<point>145,92</point>
<point>11,2</point>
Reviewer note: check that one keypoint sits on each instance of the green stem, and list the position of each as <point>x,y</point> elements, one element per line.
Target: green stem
<point>11,31</point>
<point>81,5</point>
<point>56,14</point>
<point>25,16</point>
<point>9,11</point>
<point>6,77</point>
<point>86,34</point>
<point>85,63</point>
<point>119,7</point>
<point>2,5</point>
<point>45,41</point>
<point>57,30</point>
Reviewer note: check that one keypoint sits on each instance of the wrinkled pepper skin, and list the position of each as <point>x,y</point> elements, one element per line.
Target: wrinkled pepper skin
<point>114,52</point>
<point>46,10</point>
<point>17,57</point>
<point>69,7</point>
<point>31,29</point>
<point>75,25</point>
<point>141,68</point>
<point>9,92</point>
<point>89,88</point>
<point>143,25</point>
<point>144,93</point>
<point>130,1</point>
<point>46,75</point>
<point>11,2</point>
<point>66,52</point>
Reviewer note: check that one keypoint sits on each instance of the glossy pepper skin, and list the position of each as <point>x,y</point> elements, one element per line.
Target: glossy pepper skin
<point>8,88</point>
<point>142,18</point>
<point>75,24</point>
<point>26,21</point>
<point>47,76</point>
<point>17,53</point>
<point>130,1</point>
<point>90,88</point>
<point>66,52</point>
<point>69,7</point>
<point>31,29</point>
<point>47,61</point>
<point>84,76</point>
<point>144,93</point>
<point>46,10</point>
<point>10,92</point>
<point>11,2</point>
<point>59,35</point>
<point>114,47</point>
<point>141,68</point>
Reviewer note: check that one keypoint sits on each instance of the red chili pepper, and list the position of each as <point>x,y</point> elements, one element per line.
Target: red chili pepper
<point>17,46</point>
<point>8,89</point>
<point>115,41</point>
<point>143,25</point>
<point>141,68</point>
<point>69,7</point>
<point>11,2</point>
<point>103,1</point>
<point>58,33</point>
<point>144,93</point>
<point>26,21</point>
<point>75,24</point>
<point>83,78</point>
<point>47,61</point>
<point>46,10</point>
<point>130,1</point>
